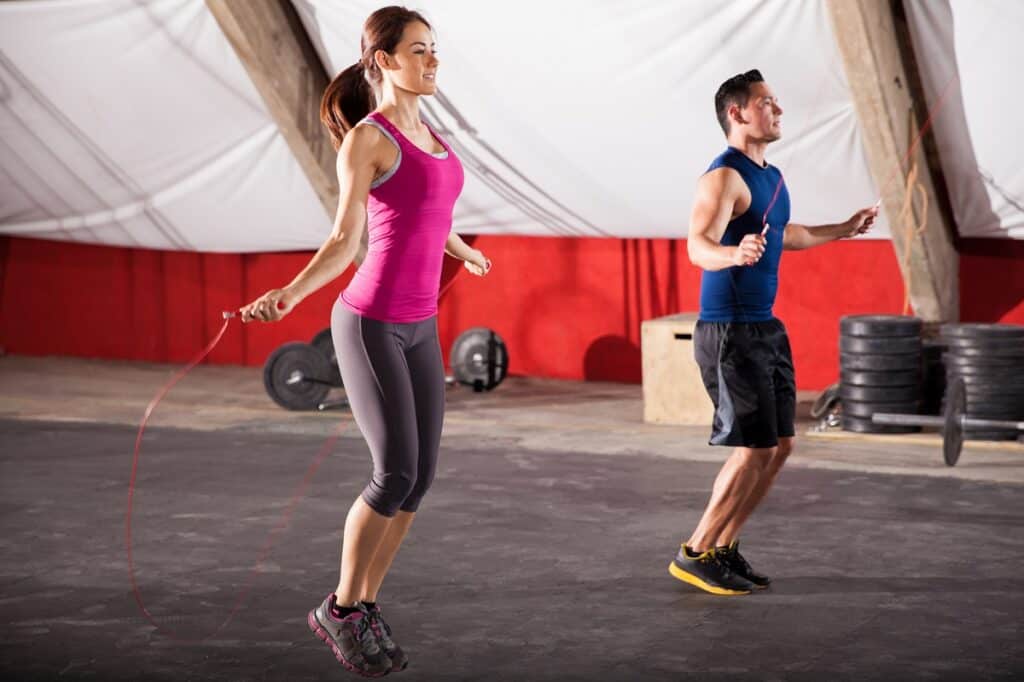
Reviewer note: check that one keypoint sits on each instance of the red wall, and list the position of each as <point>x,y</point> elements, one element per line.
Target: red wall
<point>567,308</point>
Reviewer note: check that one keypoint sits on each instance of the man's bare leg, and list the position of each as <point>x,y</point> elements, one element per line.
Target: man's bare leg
<point>735,484</point>
<point>731,530</point>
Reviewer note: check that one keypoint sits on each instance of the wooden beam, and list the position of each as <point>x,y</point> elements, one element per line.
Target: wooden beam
<point>878,59</point>
<point>275,49</point>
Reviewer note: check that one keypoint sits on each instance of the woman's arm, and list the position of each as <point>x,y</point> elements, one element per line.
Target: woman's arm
<point>476,261</point>
<point>357,164</point>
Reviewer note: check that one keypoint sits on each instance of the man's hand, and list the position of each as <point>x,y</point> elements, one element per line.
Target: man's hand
<point>749,250</point>
<point>859,223</point>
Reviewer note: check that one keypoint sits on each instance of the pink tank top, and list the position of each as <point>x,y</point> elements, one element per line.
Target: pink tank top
<point>409,219</point>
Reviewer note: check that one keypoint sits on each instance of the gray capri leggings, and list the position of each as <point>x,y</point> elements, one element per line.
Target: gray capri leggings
<point>394,380</point>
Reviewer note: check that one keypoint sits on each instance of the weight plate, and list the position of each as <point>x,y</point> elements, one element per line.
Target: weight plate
<point>905,378</point>
<point>873,362</point>
<point>898,345</point>
<point>1012,405</point>
<point>296,360</point>
<point>994,353</point>
<point>982,331</point>
<point>990,363</point>
<point>952,434</point>
<point>1007,403</point>
<point>864,410</point>
<point>956,345</point>
<point>879,325</point>
<point>880,394</point>
<point>982,379</point>
<point>858,425</point>
<point>998,393</point>
<point>995,413</point>
<point>479,359</point>
<point>324,343</point>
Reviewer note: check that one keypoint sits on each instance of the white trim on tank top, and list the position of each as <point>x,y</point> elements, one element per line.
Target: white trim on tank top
<point>398,161</point>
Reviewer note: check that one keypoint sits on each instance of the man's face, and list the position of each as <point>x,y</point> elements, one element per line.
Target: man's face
<point>762,116</point>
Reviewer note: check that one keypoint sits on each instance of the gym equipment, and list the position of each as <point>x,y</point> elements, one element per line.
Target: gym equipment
<point>989,359</point>
<point>324,343</point>
<point>479,359</point>
<point>880,364</point>
<point>955,423</point>
<point>295,376</point>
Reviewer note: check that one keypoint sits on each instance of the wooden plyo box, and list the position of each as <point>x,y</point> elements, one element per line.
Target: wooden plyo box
<point>673,390</point>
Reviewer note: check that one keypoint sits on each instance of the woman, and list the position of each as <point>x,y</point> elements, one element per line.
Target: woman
<point>398,180</point>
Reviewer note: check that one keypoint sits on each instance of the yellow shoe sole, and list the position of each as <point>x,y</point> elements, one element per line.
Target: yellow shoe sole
<point>691,579</point>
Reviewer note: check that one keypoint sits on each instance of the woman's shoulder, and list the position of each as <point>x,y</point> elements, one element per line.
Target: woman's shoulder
<point>365,139</point>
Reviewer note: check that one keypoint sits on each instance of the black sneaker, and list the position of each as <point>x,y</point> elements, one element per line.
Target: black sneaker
<point>351,638</point>
<point>399,661</point>
<point>731,557</point>
<point>707,572</point>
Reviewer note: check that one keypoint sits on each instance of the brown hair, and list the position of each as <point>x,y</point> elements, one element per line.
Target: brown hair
<point>350,96</point>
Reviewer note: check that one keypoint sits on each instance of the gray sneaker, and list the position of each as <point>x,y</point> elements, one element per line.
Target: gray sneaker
<point>399,661</point>
<point>351,638</point>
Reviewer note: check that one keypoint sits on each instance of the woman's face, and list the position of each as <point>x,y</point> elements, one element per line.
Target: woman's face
<point>413,66</point>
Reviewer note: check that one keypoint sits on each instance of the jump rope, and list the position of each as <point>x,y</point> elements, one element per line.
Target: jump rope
<point>285,518</point>
<point>325,449</point>
<point>896,170</point>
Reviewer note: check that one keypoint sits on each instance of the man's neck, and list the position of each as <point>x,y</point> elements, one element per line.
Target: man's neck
<point>753,149</point>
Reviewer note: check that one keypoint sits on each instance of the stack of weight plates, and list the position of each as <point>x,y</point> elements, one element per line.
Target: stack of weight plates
<point>933,378</point>
<point>880,370</point>
<point>990,360</point>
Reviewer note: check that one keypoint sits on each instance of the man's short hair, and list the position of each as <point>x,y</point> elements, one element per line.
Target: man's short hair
<point>736,91</point>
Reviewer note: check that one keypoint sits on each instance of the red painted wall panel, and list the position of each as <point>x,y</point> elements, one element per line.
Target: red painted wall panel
<point>568,308</point>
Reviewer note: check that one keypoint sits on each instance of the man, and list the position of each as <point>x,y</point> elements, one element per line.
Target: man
<point>738,229</point>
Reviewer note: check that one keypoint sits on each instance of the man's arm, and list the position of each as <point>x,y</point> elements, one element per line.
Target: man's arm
<point>713,207</point>
<point>798,237</point>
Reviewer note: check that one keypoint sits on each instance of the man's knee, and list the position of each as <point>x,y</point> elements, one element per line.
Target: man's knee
<point>755,459</point>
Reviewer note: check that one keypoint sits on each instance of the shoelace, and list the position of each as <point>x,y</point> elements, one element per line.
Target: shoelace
<point>714,557</point>
<point>382,629</point>
<point>737,560</point>
<point>366,636</point>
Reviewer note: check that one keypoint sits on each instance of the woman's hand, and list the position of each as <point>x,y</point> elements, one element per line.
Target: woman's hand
<point>478,263</point>
<point>270,307</point>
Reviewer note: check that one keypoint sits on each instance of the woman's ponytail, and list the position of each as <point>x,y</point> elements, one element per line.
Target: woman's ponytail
<point>346,101</point>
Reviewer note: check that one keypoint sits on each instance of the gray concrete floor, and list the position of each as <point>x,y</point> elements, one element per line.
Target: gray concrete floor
<point>541,552</point>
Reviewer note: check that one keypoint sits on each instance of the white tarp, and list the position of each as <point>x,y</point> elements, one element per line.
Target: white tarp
<point>973,49</point>
<point>596,118</point>
<point>132,122</point>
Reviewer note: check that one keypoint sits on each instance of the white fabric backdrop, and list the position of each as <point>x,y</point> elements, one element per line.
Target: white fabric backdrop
<point>976,48</point>
<point>607,107</point>
<point>132,122</point>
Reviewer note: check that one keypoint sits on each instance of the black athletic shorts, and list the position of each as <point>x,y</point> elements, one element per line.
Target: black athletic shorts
<point>747,368</point>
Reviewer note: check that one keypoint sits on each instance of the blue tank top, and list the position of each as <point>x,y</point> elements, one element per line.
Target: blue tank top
<point>746,294</point>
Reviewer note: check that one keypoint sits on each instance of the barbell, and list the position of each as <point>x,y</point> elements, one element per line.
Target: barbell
<point>298,376</point>
<point>953,422</point>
